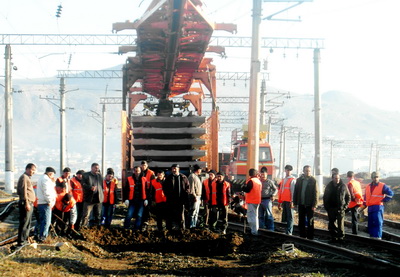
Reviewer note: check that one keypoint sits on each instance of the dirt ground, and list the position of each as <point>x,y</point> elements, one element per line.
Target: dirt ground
<point>120,252</point>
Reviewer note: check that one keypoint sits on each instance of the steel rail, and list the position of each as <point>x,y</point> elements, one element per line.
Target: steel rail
<point>383,244</point>
<point>361,259</point>
<point>7,209</point>
<point>9,240</point>
<point>385,234</point>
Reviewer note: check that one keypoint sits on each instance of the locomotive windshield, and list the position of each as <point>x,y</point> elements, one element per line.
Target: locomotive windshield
<point>265,154</point>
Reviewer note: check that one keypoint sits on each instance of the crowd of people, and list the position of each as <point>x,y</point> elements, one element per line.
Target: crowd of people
<point>340,198</point>
<point>66,204</point>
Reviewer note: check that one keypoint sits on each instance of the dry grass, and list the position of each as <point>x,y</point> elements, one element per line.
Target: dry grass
<point>317,223</point>
<point>392,216</point>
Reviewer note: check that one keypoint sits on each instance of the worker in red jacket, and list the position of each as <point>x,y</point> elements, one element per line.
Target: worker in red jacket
<point>64,178</point>
<point>356,198</point>
<point>149,175</point>
<point>219,202</point>
<point>77,193</point>
<point>158,199</point>
<point>134,195</point>
<point>205,196</point>
<point>285,198</point>
<point>64,213</point>
<point>252,188</point>
<point>110,198</point>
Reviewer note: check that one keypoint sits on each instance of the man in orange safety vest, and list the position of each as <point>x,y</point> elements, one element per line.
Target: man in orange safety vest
<point>285,198</point>
<point>356,200</point>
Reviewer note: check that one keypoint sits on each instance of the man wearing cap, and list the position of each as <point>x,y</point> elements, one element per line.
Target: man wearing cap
<point>77,193</point>
<point>268,191</point>
<point>376,193</point>
<point>195,189</point>
<point>285,198</point>
<point>92,184</point>
<point>176,189</point>
<point>252,188</point>
<point>46,194</point>
<point>27,197</point>
<point>205,195</point>
<point>149,175</point>
<point>219,202</point>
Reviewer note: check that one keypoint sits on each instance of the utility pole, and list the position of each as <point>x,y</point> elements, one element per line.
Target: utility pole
<point>103,142</point>
<point>263,96</point>
<point>317,110</point>
<point>377,159</point>
<point>8,101</point>
<point>331,160</point>
<point>62,124</point>
<point>269,129</point>
<point>284,154</point>
<point>281,151</point>
<point>299,146</point>
<point>62,108</point>
<point>102,120</point>
<point>370,158</point>
<point>254,97</point>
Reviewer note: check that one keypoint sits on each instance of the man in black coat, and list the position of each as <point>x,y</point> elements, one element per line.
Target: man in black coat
<point>336,199</point>
<point>92,184</point>
<point>176,189</point>
<point>305,197</point>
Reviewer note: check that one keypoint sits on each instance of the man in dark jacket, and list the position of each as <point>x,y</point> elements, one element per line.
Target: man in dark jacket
<point>305,197</point>
<point>176,189</point>
<point>336,199</point>
<point>92,184</point>
<point>27,197</point>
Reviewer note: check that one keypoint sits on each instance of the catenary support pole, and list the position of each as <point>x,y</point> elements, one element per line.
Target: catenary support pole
<point>8,101</point>
<point>62,124</point>
<point>269,129</point>
<point>103,142</point>
<point>281,150</point>
<point>331,158</point>
<point>254,98</point>
<point>263,97</point>
<point>370,157</point>
<point>299,154</point>
<point>317,111</point>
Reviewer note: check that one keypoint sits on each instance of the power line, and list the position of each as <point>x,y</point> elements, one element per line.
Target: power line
<point>130,40</point>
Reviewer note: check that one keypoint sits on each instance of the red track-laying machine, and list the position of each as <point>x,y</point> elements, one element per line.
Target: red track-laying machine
<point>164,85</point>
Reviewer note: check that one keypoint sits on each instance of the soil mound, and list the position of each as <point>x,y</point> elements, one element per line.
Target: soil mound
<point>196,242</point>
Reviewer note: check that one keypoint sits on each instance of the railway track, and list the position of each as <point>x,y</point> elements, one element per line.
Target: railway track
<point>6,208</point>
<point>372,246</point>
<point>386,235</point>
<point>360,252</point>
<point>9,240</point>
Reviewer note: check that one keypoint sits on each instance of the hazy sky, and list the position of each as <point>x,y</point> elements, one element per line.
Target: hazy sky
<point>361,54</point>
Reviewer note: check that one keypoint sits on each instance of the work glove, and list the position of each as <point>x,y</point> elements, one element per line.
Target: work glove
<point>145,203</point>
<point>126,203</point>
